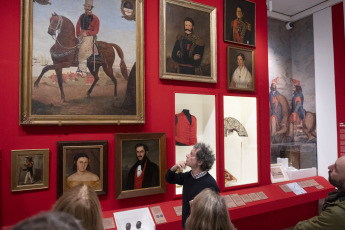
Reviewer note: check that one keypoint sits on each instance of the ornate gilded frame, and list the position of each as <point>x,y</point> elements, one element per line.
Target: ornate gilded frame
<point>125,157</point>
<point>118,113</point>
<point>172,15</point>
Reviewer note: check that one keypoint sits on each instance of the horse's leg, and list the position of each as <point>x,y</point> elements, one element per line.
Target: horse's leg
<point>44,70</point>
<point>94,74</point>
<point>109,72</point>
<point>59,77</point>
<point>273,127</point>
<point>308,125</point>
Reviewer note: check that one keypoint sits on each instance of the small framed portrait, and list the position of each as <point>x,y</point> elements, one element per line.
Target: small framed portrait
<point>239,22</point>
<point>29,169</point>
<point>82,162</point>
<point>240,69</point>
<point>188,41</point>
<point>140,164</point>
<point>278,173</point>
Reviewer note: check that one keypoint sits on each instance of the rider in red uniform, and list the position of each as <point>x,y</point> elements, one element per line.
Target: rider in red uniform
<point>87,28</point>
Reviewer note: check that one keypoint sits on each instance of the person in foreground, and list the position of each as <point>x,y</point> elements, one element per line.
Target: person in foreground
<point>82,202</point>
<point>51,221</point>
<point>209,211</point>
<point>200,160</point>
<point>333,210</point>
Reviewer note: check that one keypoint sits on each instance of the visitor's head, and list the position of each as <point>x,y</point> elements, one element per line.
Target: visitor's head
<point>81,201</point>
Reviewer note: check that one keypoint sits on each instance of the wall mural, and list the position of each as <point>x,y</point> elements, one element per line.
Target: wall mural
<point>292,92</point>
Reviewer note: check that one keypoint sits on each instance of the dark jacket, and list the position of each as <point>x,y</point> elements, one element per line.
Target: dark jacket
<point>150,179</point>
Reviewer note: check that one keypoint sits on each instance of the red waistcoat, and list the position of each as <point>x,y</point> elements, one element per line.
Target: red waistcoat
<point>138,181</point>
<point>186,132</point>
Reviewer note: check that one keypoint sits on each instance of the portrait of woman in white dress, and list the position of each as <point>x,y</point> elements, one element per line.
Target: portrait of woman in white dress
<point>240,66</point>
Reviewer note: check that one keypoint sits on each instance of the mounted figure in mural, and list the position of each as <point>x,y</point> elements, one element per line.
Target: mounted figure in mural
<point>64,54</point>
<point>299,116</point>
<point>279,113</point>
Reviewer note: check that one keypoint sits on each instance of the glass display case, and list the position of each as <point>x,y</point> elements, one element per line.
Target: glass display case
<point>196,113</point>
<point>240,141</point>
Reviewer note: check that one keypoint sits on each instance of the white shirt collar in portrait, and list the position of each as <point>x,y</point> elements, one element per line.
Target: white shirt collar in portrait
<point>139,171</point>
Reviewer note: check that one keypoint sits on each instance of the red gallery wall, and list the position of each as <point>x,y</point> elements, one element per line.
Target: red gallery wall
<point>159,104</point>
<point>339,60</point>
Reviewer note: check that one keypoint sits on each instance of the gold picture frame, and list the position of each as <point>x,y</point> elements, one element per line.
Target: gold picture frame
<point>29,169</point>
<point>154,146</point>
<point>96,154</point>
<point>185,57</point>
<point>242,79</point>
<point>42,101</point>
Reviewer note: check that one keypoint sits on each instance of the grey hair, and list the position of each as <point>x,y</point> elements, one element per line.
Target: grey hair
<point>204,154</point>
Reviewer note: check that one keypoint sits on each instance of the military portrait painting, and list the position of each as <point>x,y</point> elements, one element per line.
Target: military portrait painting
<point>187,41</point>
<point>239,22</point>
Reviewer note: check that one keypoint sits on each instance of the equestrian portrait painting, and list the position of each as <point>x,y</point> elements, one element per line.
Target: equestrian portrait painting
<point>82,62</point>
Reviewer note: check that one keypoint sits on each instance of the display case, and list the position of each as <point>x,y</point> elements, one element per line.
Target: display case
<point>196,113</point>
<point>240,141</point>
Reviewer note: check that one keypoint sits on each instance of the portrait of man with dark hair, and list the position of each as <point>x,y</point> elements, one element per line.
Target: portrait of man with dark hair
<point>144,173</point>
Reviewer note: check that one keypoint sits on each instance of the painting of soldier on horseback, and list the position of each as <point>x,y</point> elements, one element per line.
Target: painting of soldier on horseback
<point>91,72</point>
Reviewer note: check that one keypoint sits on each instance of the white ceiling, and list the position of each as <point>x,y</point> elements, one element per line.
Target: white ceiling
<point>293,10</point>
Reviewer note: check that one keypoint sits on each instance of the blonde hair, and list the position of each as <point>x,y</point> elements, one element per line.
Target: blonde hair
<point>209,212</point>
<point>81,201</point>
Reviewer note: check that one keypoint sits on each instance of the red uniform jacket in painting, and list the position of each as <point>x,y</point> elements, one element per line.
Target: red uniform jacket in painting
<point>88,24</point>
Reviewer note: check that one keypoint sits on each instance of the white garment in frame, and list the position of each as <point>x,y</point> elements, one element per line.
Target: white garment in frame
<point>139,171</point>
<point>242,78</point>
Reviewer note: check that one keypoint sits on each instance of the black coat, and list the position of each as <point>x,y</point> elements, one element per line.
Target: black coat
<point>150,179</point>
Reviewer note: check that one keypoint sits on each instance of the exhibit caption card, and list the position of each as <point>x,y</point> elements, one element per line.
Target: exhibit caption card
<point>178,210</point>
<point>298,190</point>
<point>158,215</point>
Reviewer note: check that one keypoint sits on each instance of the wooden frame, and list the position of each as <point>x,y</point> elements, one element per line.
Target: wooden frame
<point>45,104</point>
<point>278,173</point>
<point>240,79</point>
<point>240,31</point>
<point>29,169</point>
<point>68,154</point>
<point>126,161</point>
<point>173,60</point>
